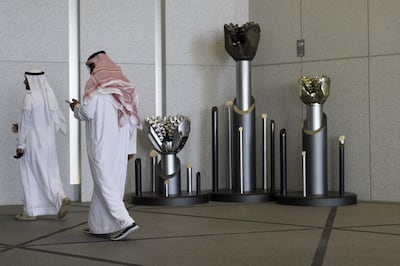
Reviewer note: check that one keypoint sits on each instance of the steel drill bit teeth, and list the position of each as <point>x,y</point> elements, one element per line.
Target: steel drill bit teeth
<point>168,134</point>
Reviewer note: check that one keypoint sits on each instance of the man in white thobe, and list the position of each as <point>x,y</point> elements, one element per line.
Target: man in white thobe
<point>36,148</point>
<point>109,110</point>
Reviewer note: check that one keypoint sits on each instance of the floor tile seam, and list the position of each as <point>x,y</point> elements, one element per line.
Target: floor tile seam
<point>48,235</point>
<point>363,226</point>
<point>172,237</point>
<point>236,220</point>
<point>79,256</point>
<point>368,232</point>
<point>73,205</point>
<point>198,206</point>
<point>222,234</point>
<point>6,249</point>
<point>100,240</point>
<point>54,215</point>
<point>319,254</point>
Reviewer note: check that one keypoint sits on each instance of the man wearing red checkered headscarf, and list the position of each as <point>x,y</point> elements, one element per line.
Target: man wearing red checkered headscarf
<point>110,112</point>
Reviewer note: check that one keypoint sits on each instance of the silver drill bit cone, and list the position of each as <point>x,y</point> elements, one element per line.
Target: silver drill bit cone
<point>168,134</point>
<point>314,90</point>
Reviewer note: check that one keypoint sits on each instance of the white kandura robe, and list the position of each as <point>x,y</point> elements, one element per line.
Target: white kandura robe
<point>108,146</point>
<point>40,174</point>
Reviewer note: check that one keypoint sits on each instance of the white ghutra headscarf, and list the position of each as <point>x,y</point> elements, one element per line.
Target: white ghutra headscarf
<point>42,94</point>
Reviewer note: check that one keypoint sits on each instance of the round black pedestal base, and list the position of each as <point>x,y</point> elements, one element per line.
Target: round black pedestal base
<point>151,198</point>
<point>331,199</point>
<point>231,196</point>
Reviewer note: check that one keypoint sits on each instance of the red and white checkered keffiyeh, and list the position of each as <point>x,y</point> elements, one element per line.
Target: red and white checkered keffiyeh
<point>108,77</point>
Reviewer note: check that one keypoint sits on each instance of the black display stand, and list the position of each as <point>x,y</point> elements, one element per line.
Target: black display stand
<point>152,198</point>
<point>315,191</point>
<point>160,198</point>
<point>332,198</point>
<point>248,184</point>
<point>230,196</point>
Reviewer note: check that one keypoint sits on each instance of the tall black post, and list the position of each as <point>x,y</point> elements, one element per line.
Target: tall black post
<point>264,153</point>
<point>138,177</point>
<point>341,165</point>
<point>198,183</point>
<point>215,148</point>
<point>283,162</point>
<point>272,145</point>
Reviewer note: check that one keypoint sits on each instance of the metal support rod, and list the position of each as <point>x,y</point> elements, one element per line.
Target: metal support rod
<point>315,144</point>
<point>168,164</point>
<point>166,188</point>
<point>341,165</point>
<point>153,165</point>
<point>264,157</point>
<point>198,183</point>
<point>229,105</point>
<point>243,84</point>
<point>283,162</point>
<point>272,146</point>
<point>189,178</point>
<point>304,163</point>
<point>314,116</point>
<point>138,177</point>
<point>215,148</point>
<point>241,158</point>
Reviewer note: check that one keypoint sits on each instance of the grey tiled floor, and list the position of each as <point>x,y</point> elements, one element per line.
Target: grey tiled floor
<point>214,233</point>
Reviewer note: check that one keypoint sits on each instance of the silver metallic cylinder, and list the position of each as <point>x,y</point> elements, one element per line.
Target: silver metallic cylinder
<point>304,173</point>
<point>168,164</point>
<point>229,105</point>
<point>241,165</point>
<point>264,158</point>
<point>166,188</point>
<point>314,116</point>
<point>243,84</point>
<point>153,164</point>
<point>315,144</point>
<point>189,178</point>
<point>169,169</point>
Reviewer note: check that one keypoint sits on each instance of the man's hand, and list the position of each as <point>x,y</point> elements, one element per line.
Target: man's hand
<point>73,103</point>
<point>14,128</point>
<point>19,153</point>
